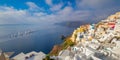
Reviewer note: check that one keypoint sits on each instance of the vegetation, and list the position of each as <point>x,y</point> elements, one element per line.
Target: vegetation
<point>47,57</point>
<point>57,48</point>
<point>68,42</point>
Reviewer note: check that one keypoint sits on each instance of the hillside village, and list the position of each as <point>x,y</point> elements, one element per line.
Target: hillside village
<point>99,41</point>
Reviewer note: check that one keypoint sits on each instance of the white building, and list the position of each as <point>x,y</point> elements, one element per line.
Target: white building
<point>63,54</point>
<point>30,56</point>
<point>78,37</point>
<point>117,26</point>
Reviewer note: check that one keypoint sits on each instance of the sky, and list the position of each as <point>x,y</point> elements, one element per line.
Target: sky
<point>52,11</point>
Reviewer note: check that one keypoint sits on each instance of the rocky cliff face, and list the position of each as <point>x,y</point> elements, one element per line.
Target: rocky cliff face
<point>56,49</point>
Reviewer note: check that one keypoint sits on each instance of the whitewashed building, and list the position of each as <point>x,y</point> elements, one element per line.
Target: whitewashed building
<point>30,56</point>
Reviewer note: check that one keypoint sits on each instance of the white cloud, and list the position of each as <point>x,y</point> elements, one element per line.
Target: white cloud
<point>33,6</point>
<point>56,7</point>
<point>5,8</point>
<point>49,2</point>
<point>39,14</point>
<point>65,11</point>
<point>10,15</point>
<point>68,14</point>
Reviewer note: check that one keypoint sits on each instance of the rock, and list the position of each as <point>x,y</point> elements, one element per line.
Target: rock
<point>63,37</point>
<point>56,49</point>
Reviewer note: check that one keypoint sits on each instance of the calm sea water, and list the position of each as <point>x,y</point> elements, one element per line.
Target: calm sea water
<point>27,38</point>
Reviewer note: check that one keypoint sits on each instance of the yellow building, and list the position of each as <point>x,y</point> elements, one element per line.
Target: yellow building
<point>112,17</point>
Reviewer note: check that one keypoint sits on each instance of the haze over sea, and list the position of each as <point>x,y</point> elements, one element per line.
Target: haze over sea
<point>35,37</point>
<point>29,37</point>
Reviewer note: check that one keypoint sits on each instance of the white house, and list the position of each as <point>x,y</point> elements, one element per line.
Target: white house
<point>30,56</point>
<point>62,54</point>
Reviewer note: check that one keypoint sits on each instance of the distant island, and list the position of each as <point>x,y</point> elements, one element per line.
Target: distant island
<point>74,24</point>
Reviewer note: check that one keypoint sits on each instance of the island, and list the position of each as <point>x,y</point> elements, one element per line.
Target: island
<point>99,41</point>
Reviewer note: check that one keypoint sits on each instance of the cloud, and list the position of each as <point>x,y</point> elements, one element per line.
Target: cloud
<point>49,2</point>
<point>33,7</point>
<point>66,11</point>
<point>56,7</point>
<point>99,9</point>
<point>11,15</point>
<point>5,8</point>
<point>69,14</point>
<point>95,4</point>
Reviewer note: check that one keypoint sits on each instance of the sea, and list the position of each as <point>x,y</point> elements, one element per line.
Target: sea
<point>25,38</point>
